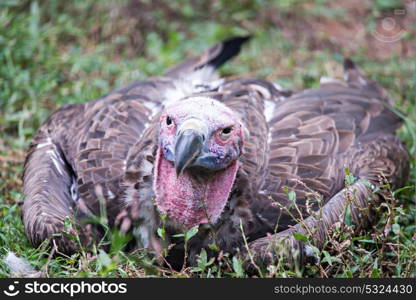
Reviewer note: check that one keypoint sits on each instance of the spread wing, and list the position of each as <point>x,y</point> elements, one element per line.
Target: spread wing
<point>314,136</point>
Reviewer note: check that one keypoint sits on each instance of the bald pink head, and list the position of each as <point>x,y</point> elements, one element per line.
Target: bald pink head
<point>200,141</point>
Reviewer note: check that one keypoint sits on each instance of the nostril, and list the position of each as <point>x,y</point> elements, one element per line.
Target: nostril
<point>168,153</point>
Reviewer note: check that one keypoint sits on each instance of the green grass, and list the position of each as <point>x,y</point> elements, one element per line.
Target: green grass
<point>52,53</point>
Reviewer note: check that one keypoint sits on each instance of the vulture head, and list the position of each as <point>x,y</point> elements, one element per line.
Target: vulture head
<point>200,141</point>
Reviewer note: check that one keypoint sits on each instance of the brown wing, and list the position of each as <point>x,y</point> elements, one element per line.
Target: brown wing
<point>49,181</point>
<point>314,136</point>
<point>247,97</point>
<point>102,141</point>
<point>311,137</point>
<point>78,157</point>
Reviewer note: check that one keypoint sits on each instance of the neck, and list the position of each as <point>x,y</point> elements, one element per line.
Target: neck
<point>190,199</point>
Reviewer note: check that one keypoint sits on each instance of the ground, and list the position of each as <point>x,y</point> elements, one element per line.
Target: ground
<point>53,53</point>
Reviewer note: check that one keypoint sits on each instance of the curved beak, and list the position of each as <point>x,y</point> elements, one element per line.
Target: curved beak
<point>188,145</point>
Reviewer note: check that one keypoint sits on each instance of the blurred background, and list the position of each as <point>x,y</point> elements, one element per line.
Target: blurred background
<point>56,52</point>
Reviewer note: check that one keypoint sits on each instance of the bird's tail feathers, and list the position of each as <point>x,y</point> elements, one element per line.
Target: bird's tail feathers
<point>210,60</point>
<point>355,78</point>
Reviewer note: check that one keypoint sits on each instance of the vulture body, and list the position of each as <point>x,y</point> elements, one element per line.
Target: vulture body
<point>190,149</point>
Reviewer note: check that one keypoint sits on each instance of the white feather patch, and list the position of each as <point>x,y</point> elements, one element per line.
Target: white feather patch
<point>277,86</point>
<point>47,143</point>
<point>262,90</point>
<point>111,195</point>
<point>142,235</point>
<point>19,266</point>
<point>201,76</point>
<point>55,160</point>
<point>200,80</point>
<point>269,107</point>
<point>309,252</point>
<point>153,107</point>
<point>74,190</point>
<point>327,80</point>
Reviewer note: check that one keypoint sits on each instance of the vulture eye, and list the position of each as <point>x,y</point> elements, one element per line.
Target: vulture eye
<point>169,121</point>
<point>225,133</point>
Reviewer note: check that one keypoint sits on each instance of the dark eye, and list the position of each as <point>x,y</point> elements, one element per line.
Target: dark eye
<point>225,133</point>
<point>169,121</point>
<point>227,130</point>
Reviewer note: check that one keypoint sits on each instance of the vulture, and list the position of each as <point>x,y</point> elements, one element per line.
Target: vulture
<point>242,165</point>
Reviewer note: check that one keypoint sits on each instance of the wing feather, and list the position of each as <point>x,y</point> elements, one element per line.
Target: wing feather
<point>312,138</point>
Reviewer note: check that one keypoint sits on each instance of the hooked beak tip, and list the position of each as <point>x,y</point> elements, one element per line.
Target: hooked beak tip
<point>179,169</point>
<point>187,148</point>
